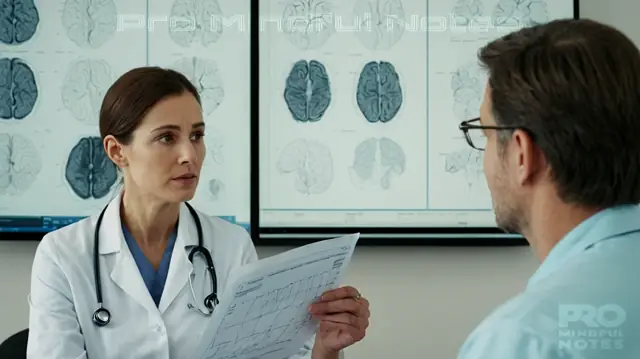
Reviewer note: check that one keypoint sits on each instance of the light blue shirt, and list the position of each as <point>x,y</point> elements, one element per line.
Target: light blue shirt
<point>154,279</point>
<point>583,302</point>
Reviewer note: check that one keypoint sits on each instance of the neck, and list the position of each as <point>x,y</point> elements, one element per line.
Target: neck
<point>149,221</point>
<point>550,219</point>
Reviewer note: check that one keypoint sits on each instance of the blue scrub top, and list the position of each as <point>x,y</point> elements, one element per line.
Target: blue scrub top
<point>154,280</point>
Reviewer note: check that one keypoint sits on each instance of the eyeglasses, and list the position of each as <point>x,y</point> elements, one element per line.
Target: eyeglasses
<point>478,140</point>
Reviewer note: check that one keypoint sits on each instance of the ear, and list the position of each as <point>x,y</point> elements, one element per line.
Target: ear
<point>114,151</point>
<point>526,155</point>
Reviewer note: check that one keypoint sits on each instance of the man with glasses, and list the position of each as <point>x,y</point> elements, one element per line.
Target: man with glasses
<point>559,127</point>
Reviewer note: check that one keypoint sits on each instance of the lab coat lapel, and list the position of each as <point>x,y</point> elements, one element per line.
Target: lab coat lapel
<point>127,276</point>
<point>125,272</point>
<point>180,266</point>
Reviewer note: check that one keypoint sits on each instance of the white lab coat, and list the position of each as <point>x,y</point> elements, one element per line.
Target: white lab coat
<point>63,292</point>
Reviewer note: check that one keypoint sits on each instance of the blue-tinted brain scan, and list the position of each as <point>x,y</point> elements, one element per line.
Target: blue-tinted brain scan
<point>520,13</point>
<point>19,21</point>
<point>307,91</point>
<point>311,164</point>
<point>89,23</point>
<point>376,162</point>
<point>20,164</point>
<point>196,21</point>
<point>379,92</point>
<point>89,172</point>
<point>308,24</point>
<point>380,23</point>
<point>18,89</point>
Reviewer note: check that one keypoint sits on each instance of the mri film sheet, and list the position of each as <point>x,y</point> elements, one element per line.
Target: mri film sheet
<point>57,60</point>
<point>208,41</point>
<point>456,170</point>
<point>104,27</point>
<point>343,115</point>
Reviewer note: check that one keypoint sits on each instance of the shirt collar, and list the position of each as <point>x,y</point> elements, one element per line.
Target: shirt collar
<point>603,225</point>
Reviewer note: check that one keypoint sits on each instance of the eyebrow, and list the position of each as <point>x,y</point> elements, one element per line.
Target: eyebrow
<point>175,127</point>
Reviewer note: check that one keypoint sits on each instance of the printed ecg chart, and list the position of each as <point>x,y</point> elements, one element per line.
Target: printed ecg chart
<point>265,312</point>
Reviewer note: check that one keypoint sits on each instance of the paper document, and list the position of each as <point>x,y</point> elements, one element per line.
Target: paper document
<point>263,313</point>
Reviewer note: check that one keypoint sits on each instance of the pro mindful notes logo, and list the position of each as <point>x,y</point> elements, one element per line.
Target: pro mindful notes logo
<point>585,327</point>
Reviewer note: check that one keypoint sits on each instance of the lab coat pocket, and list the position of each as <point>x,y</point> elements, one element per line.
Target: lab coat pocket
<point>127,336</point>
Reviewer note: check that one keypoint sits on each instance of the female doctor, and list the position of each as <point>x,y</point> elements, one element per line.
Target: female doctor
<point>124,290</point>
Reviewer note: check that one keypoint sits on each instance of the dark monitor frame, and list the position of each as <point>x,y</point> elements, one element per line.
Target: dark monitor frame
<point>398,236</point>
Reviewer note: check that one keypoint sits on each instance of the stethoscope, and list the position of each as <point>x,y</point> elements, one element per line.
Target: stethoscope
<point>102,316</point>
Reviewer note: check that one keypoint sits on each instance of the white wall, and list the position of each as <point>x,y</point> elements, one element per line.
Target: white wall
<point>424,300</point>
<point>621,14</point>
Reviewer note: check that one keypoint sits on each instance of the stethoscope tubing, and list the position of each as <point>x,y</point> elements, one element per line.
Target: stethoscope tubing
<point>102,316</point>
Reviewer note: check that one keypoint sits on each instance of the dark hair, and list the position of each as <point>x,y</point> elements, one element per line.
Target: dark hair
<point>575,86</point>
<point>133,94</point>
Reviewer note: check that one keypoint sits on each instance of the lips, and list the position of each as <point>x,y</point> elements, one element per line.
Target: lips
<point>186,176</point>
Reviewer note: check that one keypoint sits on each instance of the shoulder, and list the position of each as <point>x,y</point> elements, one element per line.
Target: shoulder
<point>223,227</point>
<point>506,338</point>
<point>531,326</point>
<point>72,241</point>
<point>520,328</point>
<point>226,237</point>
<point>220,231</point>
<point>62,255</point>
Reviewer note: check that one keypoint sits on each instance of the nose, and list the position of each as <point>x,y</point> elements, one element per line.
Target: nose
<point>188,153</point>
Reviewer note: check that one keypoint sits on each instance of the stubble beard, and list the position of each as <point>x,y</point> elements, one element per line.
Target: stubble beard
<point>508,214</point>
<point>508,217</point>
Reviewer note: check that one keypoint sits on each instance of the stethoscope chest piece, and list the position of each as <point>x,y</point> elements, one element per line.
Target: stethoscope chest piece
<point>101,317</point>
